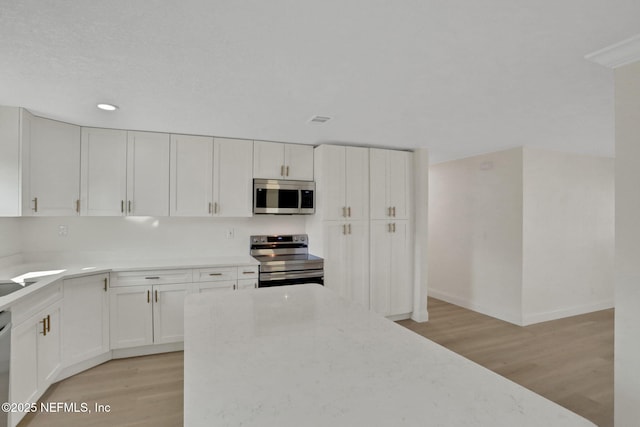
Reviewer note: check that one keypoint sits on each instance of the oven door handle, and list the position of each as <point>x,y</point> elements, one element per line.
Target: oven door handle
<point>270,277</point>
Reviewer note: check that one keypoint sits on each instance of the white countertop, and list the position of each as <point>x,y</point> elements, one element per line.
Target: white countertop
<point>75,269</point>
<point>302,356</point>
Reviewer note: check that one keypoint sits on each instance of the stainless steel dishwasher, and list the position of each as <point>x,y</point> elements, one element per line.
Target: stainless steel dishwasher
<point>5,357</point>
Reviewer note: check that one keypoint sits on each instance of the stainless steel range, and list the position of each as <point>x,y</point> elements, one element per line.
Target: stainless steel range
<point>285,260</point>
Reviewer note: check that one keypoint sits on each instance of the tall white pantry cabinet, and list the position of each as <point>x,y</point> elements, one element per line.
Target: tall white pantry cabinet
<point>368,254</point>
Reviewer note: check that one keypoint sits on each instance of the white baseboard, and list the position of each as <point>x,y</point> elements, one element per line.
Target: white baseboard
<point>121,353</point>
<point>530,319</point>
<point>397,317</point>
<point>76,368</point>
<point>420,316</point>
<point>453,299</point>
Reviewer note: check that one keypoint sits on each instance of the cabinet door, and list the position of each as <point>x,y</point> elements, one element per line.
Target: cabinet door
<point>222,285</point>
<point>399,168</point>
<point>10,168</point>
<point>168,313</point>
<point>52,162</point>
<point>357,262</point>
<point>268,160</point>
<point>380,267</point>
<point>247,283</point>
<point>330,197</point>
<point>357,182</point>
<point>49,347</point>
<point>400,253</point>
<point>24,362</point>
<point>233,180</point>
<point>130,313</point>
<point>335,262</point>
<point>298,162</point>
<point>85,332</point>
<point>378,184</point>
<point>148,174</point>
<point>191,175</point>
<point>103,172</point>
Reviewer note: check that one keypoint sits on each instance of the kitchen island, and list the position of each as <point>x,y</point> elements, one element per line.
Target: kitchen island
<point>301,355</point>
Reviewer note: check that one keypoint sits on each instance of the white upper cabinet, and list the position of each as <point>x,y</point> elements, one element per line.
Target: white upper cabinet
<point>148,174</point>
<point>51,169</point>
<point>211,176</point>
<point>390,174</point>
<point>274,160</point>
<point>342,182</point>
<point>191,185</point>
<point>103,172</point>
<point>233,177</point>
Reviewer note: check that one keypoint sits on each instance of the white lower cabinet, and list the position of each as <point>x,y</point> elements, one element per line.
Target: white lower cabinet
<point>391,268</point>
<point>220,285</point>
<point>85,332</point>
<point>35,356</point>
<point>145,315</point>
<point>346,263</point>
<point>131,314</point>
<point>248,283</point>
<point>168,312</point>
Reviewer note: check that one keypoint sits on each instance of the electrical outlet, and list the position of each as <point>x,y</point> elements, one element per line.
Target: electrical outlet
<point>63,230</point>
<point>230,233</point>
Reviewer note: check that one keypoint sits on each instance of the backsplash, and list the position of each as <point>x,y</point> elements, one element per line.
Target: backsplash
<point>147,237</point>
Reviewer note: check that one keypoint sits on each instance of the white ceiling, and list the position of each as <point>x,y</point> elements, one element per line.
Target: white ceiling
<point>457,77</point>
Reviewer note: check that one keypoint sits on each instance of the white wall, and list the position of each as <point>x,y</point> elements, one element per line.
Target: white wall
<point>10,239</point>
<point>627,321</point>
<point>475,233</point>
<point>147,237</point>
<point>568,234</point>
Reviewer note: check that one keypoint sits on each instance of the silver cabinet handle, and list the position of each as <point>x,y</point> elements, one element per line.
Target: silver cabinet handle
<point>248,272</point>
<point>78,205</point>
<point>152,277</point>
<point>349,229</point>
<point>287,171</point>
<point>129,205</point>
<point>121,206</point>
<point>344,228</point>
<point>389,211</point>
<point>394,211</point>
<point>215,274</point>
<point>235,287</point>
<point>282,170</point>
<point>255,285</point>
<point>349,211</point>
<point>215,207</point>
<point>156,295</point>
<point>105,284</point>
<point>394,227</point>
<point>389,227</point>
<point>344,211</point>
<point>35,204</point>
<point>210,207</point>
<point>148,297</point>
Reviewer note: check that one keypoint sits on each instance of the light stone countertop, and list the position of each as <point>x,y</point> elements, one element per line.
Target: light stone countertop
<point>85,268</point>
<point>303,356</point>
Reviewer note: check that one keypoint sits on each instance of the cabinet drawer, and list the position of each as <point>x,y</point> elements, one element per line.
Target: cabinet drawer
<point>247,283</point>
<point>248,272</point>
<point>215,274</point>
<point>32,304</point>
<point>150,277</point>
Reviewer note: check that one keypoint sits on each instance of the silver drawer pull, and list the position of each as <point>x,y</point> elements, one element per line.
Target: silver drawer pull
<point>215,274</point>
<point>248,272</point>
<point>152,277</point>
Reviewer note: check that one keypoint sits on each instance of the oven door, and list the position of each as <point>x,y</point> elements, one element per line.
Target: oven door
<point>283,278</point>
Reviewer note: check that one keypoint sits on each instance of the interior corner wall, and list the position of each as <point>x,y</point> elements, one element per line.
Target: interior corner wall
<point>568,234</point>
<point>475,233</point>
<point>627,253</point>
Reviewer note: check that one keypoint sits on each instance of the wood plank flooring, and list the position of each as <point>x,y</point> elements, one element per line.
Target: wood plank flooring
<point>569,361</point>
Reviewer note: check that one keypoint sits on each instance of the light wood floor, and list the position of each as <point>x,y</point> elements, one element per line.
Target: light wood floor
<point>569,361</point>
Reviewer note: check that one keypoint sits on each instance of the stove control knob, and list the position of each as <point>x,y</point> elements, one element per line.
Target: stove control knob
<point>295,238</point>
<point>263,240</point>
<point>302,238</point>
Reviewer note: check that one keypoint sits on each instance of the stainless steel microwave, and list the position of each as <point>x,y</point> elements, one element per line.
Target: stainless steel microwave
<point>280,197</point>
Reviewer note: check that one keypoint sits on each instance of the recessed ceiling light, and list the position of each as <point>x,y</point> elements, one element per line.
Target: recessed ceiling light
<point>107,107</point>
<point>319,119</point>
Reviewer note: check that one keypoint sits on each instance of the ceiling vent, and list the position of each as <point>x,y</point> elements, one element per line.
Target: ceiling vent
<point>319,119</point>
